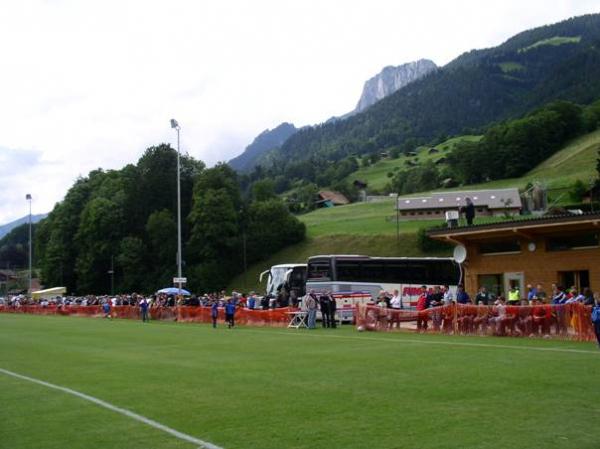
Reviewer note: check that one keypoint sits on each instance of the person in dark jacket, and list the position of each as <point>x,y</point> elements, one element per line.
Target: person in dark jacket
<point>230,313</point>
<point>469,210</point>
<point>325,306</point>
<point>332,309</point>
<point>214,312</point>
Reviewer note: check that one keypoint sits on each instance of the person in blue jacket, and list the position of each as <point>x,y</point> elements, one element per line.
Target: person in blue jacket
<point>596,319</point>
<point>462,297</point>
<point>106,309</point>
<point>144,310</point>
<point>230,313</point>
<point>214,312</point>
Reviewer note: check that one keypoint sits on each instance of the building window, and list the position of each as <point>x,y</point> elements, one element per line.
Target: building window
<point>577,279</point>
<point>493,283</point>
<point>572,241</point>
<point>500,247</point>
<point>412,213</point>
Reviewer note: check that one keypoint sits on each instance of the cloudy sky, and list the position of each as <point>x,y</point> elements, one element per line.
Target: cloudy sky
<point>88,84</point>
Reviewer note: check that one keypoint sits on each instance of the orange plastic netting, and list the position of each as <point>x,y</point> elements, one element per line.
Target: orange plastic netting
<point>272,317</point>
<point>566,321</point>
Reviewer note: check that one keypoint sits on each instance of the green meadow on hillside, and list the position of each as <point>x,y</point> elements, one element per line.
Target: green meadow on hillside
<point>370,228</point>
<point>376,175</point>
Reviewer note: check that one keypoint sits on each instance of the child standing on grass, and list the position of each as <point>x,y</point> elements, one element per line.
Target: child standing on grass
<point>214,312</point>
<point>106,309</point>
<point>230,313</point>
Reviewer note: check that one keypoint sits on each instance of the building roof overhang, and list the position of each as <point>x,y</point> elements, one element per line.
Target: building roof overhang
<point>527,229</point>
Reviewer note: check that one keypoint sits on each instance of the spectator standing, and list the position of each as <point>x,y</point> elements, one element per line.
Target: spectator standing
<point>144,310</point>
<point>230,313</point>
<point>214,312</point>
<point>483,297</point>
<point>514,295</point>
<point>311,308</point>
<point>422,306</point>
<point>251,301</point>
<point>396,301</point>
<point>325,306</point>
<point>531,292</point>
<point>106,309</point>
<point>596,319</point>
<point>588,297</point>
<point>462,297</point>
<point>448,296</point>
<point>540,293</point>
<point>332,310</point>
<point>558,295</point>
<point>469,210</point>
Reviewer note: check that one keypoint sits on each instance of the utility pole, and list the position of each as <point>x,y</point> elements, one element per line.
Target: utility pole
<point>28,198</point>
<point>176,126</point>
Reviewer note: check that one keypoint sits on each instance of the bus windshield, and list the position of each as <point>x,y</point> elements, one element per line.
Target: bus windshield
<point>277,276</point>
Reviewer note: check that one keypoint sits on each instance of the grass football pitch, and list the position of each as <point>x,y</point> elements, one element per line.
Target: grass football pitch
<point>282,388</point>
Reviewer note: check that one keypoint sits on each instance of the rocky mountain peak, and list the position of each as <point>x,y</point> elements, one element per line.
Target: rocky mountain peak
<point>390,79</point>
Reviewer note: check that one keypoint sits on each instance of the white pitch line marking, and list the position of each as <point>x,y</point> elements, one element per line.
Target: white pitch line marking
<point>182,436</point>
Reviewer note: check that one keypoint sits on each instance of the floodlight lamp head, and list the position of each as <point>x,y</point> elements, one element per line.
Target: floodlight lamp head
<point>174,124</point>
<point>28,196</point>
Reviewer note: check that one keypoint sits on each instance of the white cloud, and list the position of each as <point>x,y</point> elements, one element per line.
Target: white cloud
<point>92,84</point>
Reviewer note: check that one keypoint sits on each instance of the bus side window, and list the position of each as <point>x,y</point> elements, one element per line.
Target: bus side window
<point>320,270</point>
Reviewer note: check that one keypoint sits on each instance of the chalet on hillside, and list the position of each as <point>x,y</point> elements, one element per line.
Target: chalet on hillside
<point>487,203</point>
<point>329,198</point>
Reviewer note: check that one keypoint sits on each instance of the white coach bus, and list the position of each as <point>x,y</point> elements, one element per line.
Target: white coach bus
<point>292,274</point>
<point>355,279</point>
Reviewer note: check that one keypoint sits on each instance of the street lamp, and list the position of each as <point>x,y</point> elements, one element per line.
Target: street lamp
<point>28,198</point>
<point>176,126</point>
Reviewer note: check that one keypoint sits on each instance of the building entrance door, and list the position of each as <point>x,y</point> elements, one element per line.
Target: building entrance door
<point>514,279</point>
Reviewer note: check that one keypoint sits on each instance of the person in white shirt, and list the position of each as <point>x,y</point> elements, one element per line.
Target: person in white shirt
<point>448,298</point>
<point>396,301</point>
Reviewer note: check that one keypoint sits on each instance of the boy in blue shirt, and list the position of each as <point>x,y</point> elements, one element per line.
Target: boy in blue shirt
<point>230,313</point>
<point>214,312</point>
<point>106,309</point>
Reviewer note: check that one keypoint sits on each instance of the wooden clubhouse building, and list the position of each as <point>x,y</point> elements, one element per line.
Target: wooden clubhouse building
<point>559,249</point>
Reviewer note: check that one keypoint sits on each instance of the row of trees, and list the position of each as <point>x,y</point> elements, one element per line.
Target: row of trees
<point>507,150</point>
<point>126,219</point>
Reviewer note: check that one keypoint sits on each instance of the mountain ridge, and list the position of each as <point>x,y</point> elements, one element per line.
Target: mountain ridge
<point>472,91</point>
<point>267,140</point>
<point>7,227</point>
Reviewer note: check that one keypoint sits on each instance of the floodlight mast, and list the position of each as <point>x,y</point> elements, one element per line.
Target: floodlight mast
<point>176,127</point>
<point>28,198</point>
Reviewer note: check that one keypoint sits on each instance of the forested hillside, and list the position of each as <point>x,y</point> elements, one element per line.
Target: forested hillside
<point>536,67</point>
<point>127,219</point>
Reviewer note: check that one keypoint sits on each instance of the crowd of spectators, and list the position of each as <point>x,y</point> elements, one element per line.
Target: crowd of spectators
<point>534,313</point>
<point>158,300</point>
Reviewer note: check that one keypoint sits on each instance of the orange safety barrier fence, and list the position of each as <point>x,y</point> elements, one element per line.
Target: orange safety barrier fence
<point>271,317</point>
<point>563,321</point>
